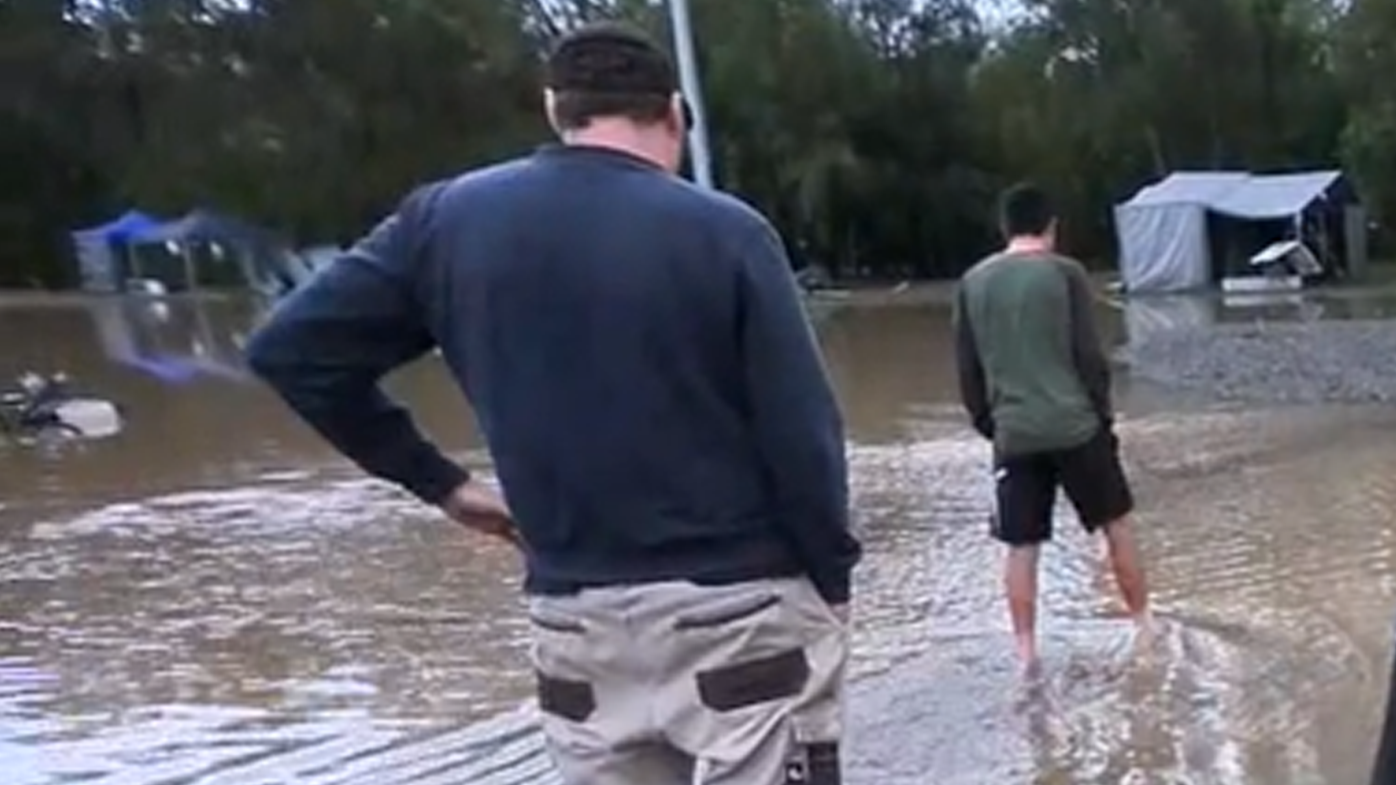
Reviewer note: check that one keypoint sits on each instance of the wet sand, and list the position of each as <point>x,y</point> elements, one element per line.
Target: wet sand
<point>213,598</point>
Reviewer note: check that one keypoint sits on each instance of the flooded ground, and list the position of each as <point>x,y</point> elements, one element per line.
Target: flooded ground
<point>212,598</point>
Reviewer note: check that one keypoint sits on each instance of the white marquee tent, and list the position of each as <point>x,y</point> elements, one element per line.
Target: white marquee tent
<point>1162,231</point>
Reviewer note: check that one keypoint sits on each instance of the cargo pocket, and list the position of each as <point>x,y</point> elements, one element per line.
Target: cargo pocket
<point>574,701</point>
<point>732,687</point>
<point>558,640</point>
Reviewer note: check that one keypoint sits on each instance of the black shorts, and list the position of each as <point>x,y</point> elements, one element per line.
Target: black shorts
<point>1091,475</point>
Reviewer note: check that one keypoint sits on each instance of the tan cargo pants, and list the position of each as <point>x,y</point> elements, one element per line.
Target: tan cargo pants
<point>678,684</point>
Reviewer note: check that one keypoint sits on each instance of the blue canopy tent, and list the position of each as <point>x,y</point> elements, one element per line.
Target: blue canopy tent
<point>238,253</point>
<point>124,227</point>
<point>104,254</point>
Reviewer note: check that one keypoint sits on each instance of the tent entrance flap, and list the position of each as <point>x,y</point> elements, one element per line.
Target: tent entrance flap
<point>1163,248</point>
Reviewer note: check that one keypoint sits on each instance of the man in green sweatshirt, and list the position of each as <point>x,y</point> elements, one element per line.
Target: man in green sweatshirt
<point>1035,381</point>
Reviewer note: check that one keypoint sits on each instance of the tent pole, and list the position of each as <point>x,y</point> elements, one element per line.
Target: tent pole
<point>189,280</point>
<point>135,266</point>
<point>698,149</point>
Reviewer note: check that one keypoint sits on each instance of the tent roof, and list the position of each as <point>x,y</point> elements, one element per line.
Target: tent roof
<point>1201,188</point>
<point>206,225</point>
<point>1276,195</point>
<point>124,227</point>
<point>1239,194</point>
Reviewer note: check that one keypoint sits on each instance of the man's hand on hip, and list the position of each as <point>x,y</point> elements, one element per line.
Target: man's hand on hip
<point>480,508</point>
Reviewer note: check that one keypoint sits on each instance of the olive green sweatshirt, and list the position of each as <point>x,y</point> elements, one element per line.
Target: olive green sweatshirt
<point>1033,374</point>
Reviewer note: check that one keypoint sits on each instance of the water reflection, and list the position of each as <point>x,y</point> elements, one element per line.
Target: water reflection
<point>173,342</point>
<point>1146,317</point>
<point>213,598</point>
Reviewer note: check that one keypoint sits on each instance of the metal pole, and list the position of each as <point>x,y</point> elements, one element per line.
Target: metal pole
<point>698,150</point>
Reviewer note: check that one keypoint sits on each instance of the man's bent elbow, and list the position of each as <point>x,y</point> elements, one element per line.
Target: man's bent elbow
<point>265,354</point>
<point>259,361</point>
<point>267,358</point>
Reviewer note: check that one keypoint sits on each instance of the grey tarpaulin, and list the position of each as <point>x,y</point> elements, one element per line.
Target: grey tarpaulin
<point>1162,230</point>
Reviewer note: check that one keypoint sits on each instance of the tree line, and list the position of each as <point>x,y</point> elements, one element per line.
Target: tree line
<point>874,132</point>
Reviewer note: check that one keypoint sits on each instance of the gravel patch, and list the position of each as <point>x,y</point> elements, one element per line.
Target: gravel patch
<point>1310,362</point>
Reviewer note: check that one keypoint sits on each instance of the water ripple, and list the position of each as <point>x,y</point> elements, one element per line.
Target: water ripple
<point>320,631</point>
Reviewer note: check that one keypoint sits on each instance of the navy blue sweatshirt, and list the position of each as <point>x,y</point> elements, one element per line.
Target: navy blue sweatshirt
<point>634,349</point>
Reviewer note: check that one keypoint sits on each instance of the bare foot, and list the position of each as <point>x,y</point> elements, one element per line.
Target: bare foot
<point>1027,656</point>
<point>1032,670</point>
<point>1145,632</point>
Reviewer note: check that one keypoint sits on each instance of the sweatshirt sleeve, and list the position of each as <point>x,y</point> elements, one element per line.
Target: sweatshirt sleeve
<point>327,346</point>
<point>974,386</point>
<point>796,417</point>
<point>1092,364</point>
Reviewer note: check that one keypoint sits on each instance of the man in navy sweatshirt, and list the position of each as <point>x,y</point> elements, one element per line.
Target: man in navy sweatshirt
<point>638,359</point>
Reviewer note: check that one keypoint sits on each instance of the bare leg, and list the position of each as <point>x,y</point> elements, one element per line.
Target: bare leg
<point>1129,570</point>
<point>1020,579</point>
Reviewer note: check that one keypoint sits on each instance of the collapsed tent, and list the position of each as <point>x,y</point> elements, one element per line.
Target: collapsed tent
<point>201,249</point>
<point>210,249</point>
<point>207,226</point>
<point>104,252</point>
<point>1190,229</point>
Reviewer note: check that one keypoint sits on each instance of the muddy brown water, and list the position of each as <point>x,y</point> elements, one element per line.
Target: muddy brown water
<point>211,597</point>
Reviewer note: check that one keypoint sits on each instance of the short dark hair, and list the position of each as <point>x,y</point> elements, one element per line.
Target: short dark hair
<point>609,69</point>
<point>1025,209</point>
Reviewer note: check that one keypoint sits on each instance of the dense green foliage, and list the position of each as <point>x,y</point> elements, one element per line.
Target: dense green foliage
<point>874,131</point>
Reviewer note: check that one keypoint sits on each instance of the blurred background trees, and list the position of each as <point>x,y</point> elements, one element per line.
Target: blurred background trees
<point>875,132</point>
